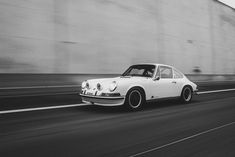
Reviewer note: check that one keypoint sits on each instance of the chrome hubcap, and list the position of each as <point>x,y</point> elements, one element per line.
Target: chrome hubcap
<point>135,99</point>
<point>187,94</point>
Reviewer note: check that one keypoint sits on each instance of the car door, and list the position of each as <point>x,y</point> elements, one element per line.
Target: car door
<point>164,86</point>
<point>178,82</point>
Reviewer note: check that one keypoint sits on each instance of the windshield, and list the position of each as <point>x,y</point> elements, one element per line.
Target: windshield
<point>140,70</point>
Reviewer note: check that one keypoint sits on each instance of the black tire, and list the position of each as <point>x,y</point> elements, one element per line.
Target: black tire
<point>135,99</point>
<point>186,94</point>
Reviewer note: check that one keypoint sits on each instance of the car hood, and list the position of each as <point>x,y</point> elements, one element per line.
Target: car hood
<point>121,81</point>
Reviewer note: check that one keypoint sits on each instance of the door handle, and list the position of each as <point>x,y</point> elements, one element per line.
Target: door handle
<point>173,82</point>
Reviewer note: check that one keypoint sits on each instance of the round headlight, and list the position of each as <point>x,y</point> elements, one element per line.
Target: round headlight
<point>84,84</point>
<point>87,85</point>
<point>99,86</point>
<point>112,86</point>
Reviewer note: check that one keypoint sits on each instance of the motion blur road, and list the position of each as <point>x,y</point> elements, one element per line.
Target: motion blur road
<point>205,127</point>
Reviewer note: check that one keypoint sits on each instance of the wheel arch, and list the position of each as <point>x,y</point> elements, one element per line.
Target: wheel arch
<point>187,85</point>
<point>138,87</point>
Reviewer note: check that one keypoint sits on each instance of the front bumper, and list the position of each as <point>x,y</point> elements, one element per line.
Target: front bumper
<point>103,100</point>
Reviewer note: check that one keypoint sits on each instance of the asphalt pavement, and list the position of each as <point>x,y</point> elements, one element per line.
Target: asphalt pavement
<point>205,127</point>
<point>54,95</point>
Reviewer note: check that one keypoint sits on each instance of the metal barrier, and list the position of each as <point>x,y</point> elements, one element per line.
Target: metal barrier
<point>12,85</point>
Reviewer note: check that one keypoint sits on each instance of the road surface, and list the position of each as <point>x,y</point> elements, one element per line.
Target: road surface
<point>206,127</point>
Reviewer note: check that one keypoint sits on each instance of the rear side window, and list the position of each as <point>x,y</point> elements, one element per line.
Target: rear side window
<point>166,72</point>
<point>177,74</point>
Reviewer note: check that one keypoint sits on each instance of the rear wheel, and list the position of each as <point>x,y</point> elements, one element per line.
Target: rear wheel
<point>135,99</point>
<point>186,94</point>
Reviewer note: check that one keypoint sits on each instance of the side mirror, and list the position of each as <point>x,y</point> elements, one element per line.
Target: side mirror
<point>156,78</point>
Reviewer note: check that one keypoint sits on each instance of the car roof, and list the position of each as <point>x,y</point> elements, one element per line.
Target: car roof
<point>157,64</point>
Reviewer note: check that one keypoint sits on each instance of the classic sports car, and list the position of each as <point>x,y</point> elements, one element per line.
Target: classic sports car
<point>138,84</point>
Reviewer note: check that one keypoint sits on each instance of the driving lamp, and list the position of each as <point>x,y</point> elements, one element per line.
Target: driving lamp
<point>112,86</point>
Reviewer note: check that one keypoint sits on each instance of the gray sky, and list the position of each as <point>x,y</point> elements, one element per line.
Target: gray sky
<point>229,2</point>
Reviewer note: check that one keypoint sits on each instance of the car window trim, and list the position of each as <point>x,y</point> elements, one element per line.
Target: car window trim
<point>166,67</point>
<point>182,75</point>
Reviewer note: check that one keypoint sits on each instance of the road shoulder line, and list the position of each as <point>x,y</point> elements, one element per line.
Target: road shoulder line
<point>42,108</point>
<point>216,91</point>
<point>181,140</point>
<point>83,104</point>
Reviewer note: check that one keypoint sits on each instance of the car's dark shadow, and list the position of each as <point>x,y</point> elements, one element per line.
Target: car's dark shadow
<point>156,105</point>
<point>103,109</point>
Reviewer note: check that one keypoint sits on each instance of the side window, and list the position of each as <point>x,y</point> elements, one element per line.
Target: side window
<point>177,74</point>
<point>149,72</point>
<point>137,71</point>
<point>166,72</point>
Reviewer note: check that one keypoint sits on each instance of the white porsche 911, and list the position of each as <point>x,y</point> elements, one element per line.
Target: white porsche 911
<point>137,85</point>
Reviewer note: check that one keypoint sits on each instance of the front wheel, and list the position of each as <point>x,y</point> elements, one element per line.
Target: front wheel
<point>186,94</point>
<point>135,99</point>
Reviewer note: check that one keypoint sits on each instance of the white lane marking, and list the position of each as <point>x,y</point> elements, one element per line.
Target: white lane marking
<point>38,87</point>
<point>42,108</point>
<point>216,91</point>
<point>39,94</point>
<point>217,81</point>
<point>181,140</point>
<point>65,106</point>
<point>22,95</point>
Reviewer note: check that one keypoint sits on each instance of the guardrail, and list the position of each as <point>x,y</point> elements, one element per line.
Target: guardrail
<point>43,80</point>
<point>14,85</point>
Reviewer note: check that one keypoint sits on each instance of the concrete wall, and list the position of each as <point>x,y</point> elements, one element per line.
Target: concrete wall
<point>106,36</point>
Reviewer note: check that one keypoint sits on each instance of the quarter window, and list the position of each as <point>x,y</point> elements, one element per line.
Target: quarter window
<point>166,72</point>
<point>177,74</point>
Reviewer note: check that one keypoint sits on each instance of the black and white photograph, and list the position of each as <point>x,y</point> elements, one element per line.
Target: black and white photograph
<point>117,78</point>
